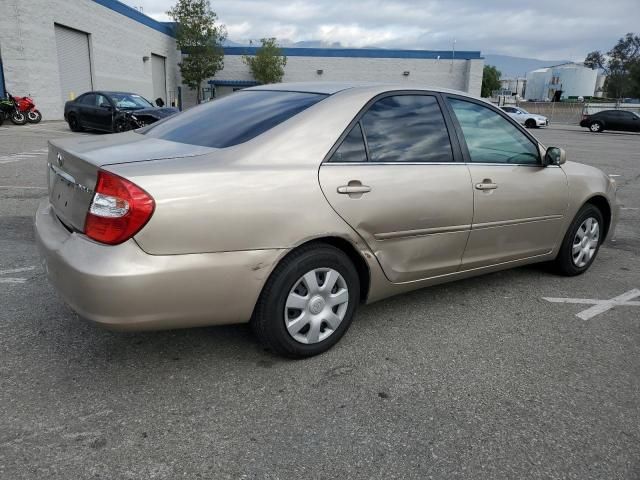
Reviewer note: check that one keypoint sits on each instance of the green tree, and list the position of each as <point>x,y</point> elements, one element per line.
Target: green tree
<point>490,80</point>
<point>267,66</point>
<point>200,38</point>
<point>634,77</point>
<point>618,65</point>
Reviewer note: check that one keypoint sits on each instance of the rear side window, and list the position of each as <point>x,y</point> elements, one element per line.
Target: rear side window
<point>234,119</point>
<point>89,99</point>
<point>407,128</point>
<point>352,148</point>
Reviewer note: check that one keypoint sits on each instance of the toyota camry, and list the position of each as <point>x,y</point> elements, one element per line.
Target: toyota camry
<point>289,205</point>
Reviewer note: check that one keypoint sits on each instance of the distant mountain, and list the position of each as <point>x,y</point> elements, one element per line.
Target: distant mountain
<point>231,43</point>
<point>517,66</point>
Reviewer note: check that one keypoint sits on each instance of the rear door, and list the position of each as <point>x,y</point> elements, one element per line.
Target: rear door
<point>86,110</point>
<point>396,177</point>
<point>519,205</point>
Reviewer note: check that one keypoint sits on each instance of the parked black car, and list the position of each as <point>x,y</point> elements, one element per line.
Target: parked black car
<point>620,120</point>
<point>112,112</point>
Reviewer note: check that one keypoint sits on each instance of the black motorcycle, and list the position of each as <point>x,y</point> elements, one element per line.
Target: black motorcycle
<point>9,109</point>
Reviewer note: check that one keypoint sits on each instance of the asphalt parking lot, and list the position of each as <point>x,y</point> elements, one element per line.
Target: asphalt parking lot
<point>482,378</point>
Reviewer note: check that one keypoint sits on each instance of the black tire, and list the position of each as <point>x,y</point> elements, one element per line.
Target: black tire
<point>34,116</point>
<point>74,123</point>
<point>564,262</point>
<point>1,118</point>
<point>18,118</point>
<point>596,127</point>
<point>268,320</point>
<point>121,125</point>
<point>530,123</point>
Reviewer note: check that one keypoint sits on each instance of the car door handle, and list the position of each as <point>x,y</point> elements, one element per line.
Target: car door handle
<point>486,186</point>
<point>350,189</point>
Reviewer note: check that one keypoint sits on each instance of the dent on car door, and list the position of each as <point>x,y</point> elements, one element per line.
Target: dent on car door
<point>394,180</point>
<point>518,204</point>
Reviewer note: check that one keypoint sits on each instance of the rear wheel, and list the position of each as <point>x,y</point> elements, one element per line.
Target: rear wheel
<point>308,302</point>
<point>34,116</point>
<point>581,242</point>
<point>73,122</point>
<point>530,123</point>
<point>596,127</point>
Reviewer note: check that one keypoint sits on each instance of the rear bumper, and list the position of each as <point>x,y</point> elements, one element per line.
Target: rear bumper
<point>124,288</point>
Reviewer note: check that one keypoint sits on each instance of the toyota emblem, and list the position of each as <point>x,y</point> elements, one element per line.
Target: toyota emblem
<point>60,160</point>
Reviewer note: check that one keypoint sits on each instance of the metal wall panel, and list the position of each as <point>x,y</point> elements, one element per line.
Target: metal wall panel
<point>74,62</point>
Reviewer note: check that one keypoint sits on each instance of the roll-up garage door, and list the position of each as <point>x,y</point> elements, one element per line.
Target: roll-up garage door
<point>159,75</point>
<point>74,62</point>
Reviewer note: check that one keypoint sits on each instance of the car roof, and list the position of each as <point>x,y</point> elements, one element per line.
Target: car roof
<point>330,88</point>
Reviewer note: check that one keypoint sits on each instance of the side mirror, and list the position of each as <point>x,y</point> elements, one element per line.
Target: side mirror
<point>555,156</point>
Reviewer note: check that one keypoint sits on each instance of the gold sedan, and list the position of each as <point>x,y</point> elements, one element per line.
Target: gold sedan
<point>289,205</point>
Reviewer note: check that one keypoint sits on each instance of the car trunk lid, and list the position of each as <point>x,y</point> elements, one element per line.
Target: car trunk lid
<point>73,166</point>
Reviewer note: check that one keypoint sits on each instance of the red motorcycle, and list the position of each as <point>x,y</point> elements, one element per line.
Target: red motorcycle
<point>27,107</point>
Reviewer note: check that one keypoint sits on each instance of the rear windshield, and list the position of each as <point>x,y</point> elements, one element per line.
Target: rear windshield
<point>234,119</point>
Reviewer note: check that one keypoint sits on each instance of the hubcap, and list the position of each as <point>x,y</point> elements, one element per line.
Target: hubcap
<point>585,243</point>
<point>316,305</point>
<point>595,127</point>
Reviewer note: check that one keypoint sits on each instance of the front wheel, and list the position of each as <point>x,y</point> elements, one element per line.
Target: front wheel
<point>530,123</point>
<point>18,118</point>
<point>34,116</point>
<point>308,302</point>
<point>122,125</point>
<point>581,242</point>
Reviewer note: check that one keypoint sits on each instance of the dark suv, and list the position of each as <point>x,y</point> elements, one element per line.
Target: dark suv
<point>612,120</point>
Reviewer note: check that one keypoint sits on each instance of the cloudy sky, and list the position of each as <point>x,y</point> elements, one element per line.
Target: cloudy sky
<point>543,29</point>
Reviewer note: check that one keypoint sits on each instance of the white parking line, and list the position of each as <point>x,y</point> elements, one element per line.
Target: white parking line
<point>599,306</point>
<point>21,187</point>
<point>13,280</point>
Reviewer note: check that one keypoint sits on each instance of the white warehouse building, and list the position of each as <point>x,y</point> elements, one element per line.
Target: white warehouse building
<point>55,50</point>
<point>459,70</point>
<point>570,79</point>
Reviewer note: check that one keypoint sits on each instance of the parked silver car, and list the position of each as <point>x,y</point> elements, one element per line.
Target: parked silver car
<point>289,205</point>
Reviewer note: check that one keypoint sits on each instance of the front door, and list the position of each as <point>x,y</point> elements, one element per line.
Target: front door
<point>519,205</point>
<point>395,179</point>
<point>103,114</point>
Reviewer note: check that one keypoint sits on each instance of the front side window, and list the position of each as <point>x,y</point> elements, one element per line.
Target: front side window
<point>352,148</point>
<point>490,137</point>
<point>407,128</point>
<point>102,100</point>
<point>233,119</point>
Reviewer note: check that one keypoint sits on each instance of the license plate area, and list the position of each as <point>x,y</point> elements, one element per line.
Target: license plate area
<point>68,199</point>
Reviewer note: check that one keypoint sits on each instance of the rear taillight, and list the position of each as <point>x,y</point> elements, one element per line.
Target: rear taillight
<point>118,211</point>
